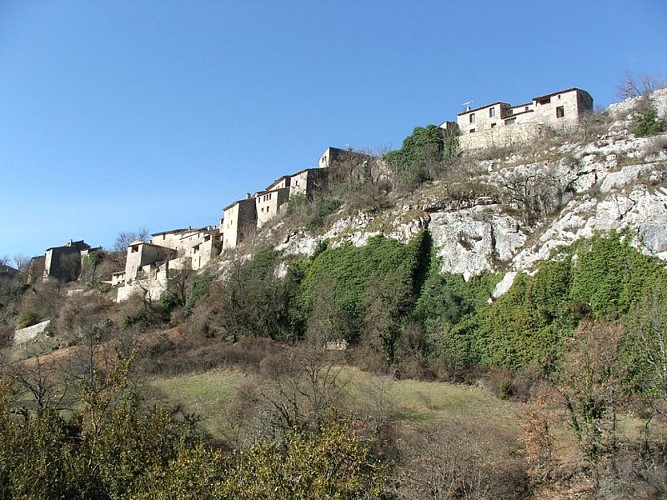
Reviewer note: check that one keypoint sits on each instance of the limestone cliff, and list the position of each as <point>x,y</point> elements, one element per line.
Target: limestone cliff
<point>512,208</point>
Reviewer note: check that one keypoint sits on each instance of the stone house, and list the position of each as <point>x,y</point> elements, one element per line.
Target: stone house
<point>195,247</point>
<point>239,222</point>
<point>172,238</point>
<point>149,266</point>
<point>501,124</point>
<point>202,246</point>
<point>143,258</point>
<point>307,182</point>
<point>63,263</point>
<point>268,203</point>
<point>334,156</point>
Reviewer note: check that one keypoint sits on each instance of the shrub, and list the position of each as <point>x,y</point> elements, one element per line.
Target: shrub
<point>646,123</point>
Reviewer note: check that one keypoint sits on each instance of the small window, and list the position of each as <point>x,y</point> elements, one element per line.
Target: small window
<point>472,117</point>
<point>493,125</point>
<point>526,108</point>
<point>492,112</point>
<point>560,111</point>
<point>510,121</point>
<point>472,130</point>
<point>510,112</point>
<point>544,101</point>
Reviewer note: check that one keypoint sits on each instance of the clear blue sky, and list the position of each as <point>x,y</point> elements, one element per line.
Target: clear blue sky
<point>118,115</point>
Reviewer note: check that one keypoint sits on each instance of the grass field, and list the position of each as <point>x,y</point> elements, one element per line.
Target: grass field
<point>412,403</point>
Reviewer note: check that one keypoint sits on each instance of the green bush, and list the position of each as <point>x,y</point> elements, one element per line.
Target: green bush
<point>646,123</point>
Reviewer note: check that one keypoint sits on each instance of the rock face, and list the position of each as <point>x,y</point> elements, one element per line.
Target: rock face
<point>612,182</point>
<point>474,240</point>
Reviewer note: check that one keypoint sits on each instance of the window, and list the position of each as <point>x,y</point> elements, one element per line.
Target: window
<point>472,117</point>
<point>560,111</point>
<point>493,125</point>
<point>510,121</point>
<point>472,130</point>
<point>510,112</point>
<point>526,108</point>
<point>544,101</point>
<point>492,112</point>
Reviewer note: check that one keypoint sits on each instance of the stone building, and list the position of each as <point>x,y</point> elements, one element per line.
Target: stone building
<point>63,263</point>
<point>335,156</point>
<point>201,247</point>
<point>501,124</point>
<point>239,222</point>
<point>268,203</point>
<point>143,258</point>
<point>307,182</point>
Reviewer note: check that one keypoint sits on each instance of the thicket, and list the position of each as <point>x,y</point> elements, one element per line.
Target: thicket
<point>604,279</point>
<point>423,156</point>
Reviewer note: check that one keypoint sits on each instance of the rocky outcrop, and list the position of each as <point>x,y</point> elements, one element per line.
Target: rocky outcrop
<point>613,182</point>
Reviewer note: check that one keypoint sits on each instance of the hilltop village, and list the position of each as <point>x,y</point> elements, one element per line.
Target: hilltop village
<point>150,264</point>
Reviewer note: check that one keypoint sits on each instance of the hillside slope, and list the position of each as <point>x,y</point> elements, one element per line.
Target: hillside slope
<point>507,209</point>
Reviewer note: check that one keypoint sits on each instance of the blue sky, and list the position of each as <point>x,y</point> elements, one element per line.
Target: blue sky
<point>118,115</point>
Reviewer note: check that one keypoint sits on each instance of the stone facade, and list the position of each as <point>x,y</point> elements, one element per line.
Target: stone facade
<point>143,259</point>
<point>268,203</point>
<point>335,156</point>
<point>239,222</point>
<point>501,124</point>
<point>64,263</point>
<point>307,182</point>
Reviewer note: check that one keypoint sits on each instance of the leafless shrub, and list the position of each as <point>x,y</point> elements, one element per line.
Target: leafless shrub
<point>81,311</point>
<point>454,461</point>
<point>371,196</point>
<point>639,86</point>
<point>656,145</point>
<point>297,389</point>
<point>534,194</point>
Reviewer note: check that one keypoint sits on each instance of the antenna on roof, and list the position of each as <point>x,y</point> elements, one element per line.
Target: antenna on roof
<point>467,104</point>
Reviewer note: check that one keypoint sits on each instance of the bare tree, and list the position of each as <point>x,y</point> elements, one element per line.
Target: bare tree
<point>534,194</point>
<point>45,384</point>
<point>639,86</point>
<point>124,239</point>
